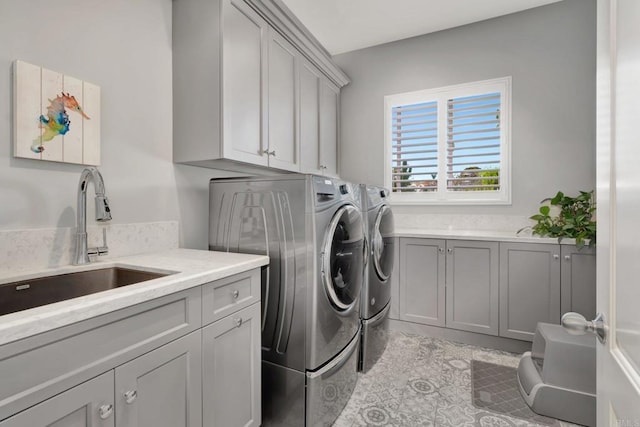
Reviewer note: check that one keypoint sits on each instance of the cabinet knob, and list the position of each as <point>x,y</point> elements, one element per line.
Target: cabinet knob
<point>105,411</point>
<point>266,151</point>
<point>450,250</point>
<point>235,294</point>
<point>556,256</point>
<point>130,396</point>
<point>273,153</point>
<point>567,257</point>
<point>238,321</point>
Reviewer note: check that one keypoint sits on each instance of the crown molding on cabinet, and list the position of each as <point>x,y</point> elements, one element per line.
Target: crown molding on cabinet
<point>285,22</point>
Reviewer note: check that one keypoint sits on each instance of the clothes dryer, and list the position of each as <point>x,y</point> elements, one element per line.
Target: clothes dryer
<point>376,293</point>
<point>312,230</point>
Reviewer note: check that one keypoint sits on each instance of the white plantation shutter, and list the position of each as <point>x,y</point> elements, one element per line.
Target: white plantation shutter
<point>473,143</point>
<point>449,145</point>
<point>414,151</point>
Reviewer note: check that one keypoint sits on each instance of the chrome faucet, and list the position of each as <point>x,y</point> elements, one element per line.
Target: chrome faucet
<point>103,213</point>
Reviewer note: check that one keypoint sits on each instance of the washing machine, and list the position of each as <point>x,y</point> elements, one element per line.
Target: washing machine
<point>376,292</point>
<point>312,229</point>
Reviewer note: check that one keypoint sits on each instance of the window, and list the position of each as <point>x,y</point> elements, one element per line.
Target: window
<point>449,145</point>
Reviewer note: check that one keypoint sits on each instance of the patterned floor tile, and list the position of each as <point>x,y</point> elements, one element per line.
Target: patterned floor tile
<point>421,382</point>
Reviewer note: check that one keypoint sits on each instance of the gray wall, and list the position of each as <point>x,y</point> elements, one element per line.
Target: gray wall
<point>550,52</point>
<point>124,47</point>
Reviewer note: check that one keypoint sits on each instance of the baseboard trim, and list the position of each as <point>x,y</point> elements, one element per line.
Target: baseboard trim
<point>489,341</point>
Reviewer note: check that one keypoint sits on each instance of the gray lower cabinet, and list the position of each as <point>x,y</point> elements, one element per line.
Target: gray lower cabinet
<point>578,280</point>
<point>422,281</point>
<point>162,388</point>
<point>529,288</point>
<point>89,404</point>
<point>159,389</point>
<point>231,370</point>
<point>144,365</point>
<point>472,286</point>
<point>458,290</point>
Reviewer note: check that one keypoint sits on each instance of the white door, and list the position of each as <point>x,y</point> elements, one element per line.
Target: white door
<point>618,196</point>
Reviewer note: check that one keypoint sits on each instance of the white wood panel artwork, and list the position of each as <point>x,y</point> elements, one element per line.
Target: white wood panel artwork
<point>56,117</point>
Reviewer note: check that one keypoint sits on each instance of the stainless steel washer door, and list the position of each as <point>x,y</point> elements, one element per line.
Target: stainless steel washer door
<point>382,243</point>
<point>343,264</point>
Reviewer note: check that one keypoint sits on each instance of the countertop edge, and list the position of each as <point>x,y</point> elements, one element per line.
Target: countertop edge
<point>484,235</point>
<point>192,268</point>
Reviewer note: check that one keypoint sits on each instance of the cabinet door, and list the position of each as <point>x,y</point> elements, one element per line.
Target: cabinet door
<point>578,280</point>
<point>162,388</point>
<point>282,92</point>
<point>472,286</point>
<point>89,404</point>
<point>244,51</point>
<point>231,370</point>
<point>422,281</point>
<point>529,288</point>
<point>329,111</point>
<point>309,131</point>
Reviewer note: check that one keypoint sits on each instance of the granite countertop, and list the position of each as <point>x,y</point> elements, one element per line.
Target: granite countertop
<point>189,268</point>
<point>487,235</point>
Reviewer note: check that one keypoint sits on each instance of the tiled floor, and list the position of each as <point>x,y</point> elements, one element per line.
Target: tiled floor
<point>422,381</point>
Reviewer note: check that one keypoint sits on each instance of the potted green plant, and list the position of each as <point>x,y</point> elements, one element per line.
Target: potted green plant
<point>573,217</point>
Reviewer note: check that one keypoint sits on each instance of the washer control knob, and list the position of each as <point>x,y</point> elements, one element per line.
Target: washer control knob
<point>344,189</point>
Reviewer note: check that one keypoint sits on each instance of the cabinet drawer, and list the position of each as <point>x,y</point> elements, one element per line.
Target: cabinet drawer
<point>223,297</point>
<point>39,367</point>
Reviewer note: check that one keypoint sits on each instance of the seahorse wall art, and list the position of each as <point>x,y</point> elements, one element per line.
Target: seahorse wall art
<point>56,122</point>
<point>56,116</point>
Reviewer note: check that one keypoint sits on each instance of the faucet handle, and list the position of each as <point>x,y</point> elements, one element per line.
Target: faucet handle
<point>100,250</point>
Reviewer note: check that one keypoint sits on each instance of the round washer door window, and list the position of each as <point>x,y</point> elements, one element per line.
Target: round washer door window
<point>343,258</point>
<point>382,243</point>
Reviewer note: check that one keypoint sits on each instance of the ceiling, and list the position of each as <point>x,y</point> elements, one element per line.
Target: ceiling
<point>346,25</point>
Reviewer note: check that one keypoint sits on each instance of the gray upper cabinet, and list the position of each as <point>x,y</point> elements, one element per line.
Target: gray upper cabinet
<point>231,370</point>
<point>319,119</point>
<point>472,286</point>
<point>236,92</point>
<point>529,288</point>
<point>282,143</point>
<point>244,54</point>
<point>89,404</point>
<point>329,127</point>
<point>162,388</point>
<point>422,281</point>
<point>309,129</point>
<point>578,281</point>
